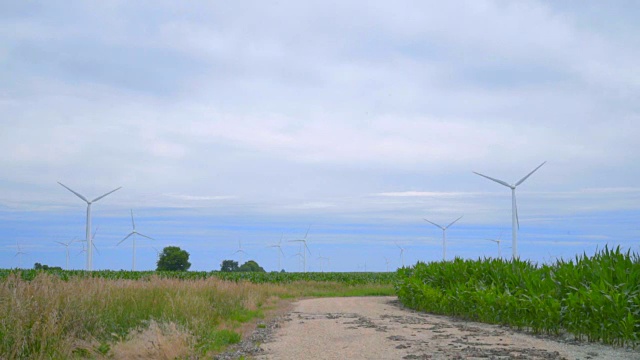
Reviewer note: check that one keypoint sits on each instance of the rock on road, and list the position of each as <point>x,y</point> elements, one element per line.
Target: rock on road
<point>380,328</point>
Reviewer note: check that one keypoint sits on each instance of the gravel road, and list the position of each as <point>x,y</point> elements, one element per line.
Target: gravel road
<point>380,328</point>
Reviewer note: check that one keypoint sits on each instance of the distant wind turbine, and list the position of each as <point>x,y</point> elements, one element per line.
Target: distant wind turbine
<point>387,262</point>
<point>497,241</point>
<point>88,234</point>
<point>240,251</point>
<point>280,252</point>
<point>401,253</point>
<point>93,243</point>
<point>305,247</point>
<point>322,258</point>
<point>444,236</point>
<point>19,254</point>
<point>66,245</point>
<point>515,221</point>
<point>299,255</point>
<point>134,233</point>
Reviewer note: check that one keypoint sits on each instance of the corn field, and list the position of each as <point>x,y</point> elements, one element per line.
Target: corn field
<point>346,278</point>
<point>594,298</point>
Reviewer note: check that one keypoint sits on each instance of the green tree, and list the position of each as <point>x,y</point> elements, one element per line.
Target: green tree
<point>173,258</point>
<point>251,266</point>
<point>229,266</point>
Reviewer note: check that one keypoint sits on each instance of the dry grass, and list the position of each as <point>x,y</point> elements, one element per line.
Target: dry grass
<point>155,341</point>
<point>50,318</point>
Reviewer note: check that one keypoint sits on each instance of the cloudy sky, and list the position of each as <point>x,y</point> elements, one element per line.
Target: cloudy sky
<point>253,120</point>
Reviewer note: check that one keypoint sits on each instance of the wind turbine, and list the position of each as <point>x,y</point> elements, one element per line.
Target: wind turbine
<point>240,251</point>
<point>19,254</point>
<point>88,234</point>
<point>387,262</point>
<point>497,241</point>
<point>66,245</point>
<point>299,255</point>
<point>304,253</point>
<point>134,233</point>
<point>444,236</point>
<point>93,238</point>
<point>321,258</point>
<point>280,253</point>
<point>401,253</point>
<point>515,222</point>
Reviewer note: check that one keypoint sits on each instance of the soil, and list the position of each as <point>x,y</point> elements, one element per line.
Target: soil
<point>381,328</point>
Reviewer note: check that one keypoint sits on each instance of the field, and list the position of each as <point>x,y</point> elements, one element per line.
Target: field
<point>595,298</point>
<point>122,314</point>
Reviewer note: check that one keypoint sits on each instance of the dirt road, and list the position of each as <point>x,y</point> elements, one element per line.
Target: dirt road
<point>380,328</point>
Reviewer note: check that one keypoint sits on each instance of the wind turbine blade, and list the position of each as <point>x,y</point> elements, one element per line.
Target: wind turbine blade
<point>454,221</point>
<point>492,179</point>
<point>307,233</point>
<point>305,245</point>
<point>94,246</point>
<point>61,243</point>
<point>434,224</point>
<point>529,174</point>
<point>78,195</point>
<point>126,237</point>
<point>281,252</point>
<point>95,232</point>
<point>143,235</point>
<point>112,191</point>
<point>133,224</point>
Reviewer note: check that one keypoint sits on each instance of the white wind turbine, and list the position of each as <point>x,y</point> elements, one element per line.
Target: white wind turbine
<point>299,255</point>
<point>304,253</point>
<point>322,259</point>
<point>66,245</point>
<point>240,251</point>
<point>280,252</point>
<point>401,253</point>
<point>387,262</point>
<point>19,254</point>
<point>134,233</point>
<point>515,222</point>
<point>88,234</point>
<point>497,241</point>
<point>93,239</point>
<point>444,236</point>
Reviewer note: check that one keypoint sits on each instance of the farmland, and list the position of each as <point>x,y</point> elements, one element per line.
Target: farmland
<point>63,314</point>
<point>114,314</point>
<point>594,298</point>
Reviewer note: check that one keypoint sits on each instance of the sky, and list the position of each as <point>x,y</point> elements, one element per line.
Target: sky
<point>254,122</point>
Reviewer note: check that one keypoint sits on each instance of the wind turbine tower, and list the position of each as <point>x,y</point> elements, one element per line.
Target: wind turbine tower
<point>19,254</point>
<point>305,247</point>
<point>240,251</point>
<point>444,236</point>
<point>322,259</point>
<point>66,245</point>
<point>497,241</point>
<point>515,222</point>
<point>401,253</point>
<point>134,233</point>
<point>89,240</point>
<point>280,253</point>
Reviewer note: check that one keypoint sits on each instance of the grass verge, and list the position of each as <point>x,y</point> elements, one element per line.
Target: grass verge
<point>56,317</point>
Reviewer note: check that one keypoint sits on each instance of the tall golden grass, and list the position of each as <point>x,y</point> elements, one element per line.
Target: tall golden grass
<point>50,318</point>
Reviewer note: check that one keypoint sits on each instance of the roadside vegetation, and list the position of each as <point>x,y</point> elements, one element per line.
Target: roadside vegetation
<point>57,314</point>
<point>594,298</point>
